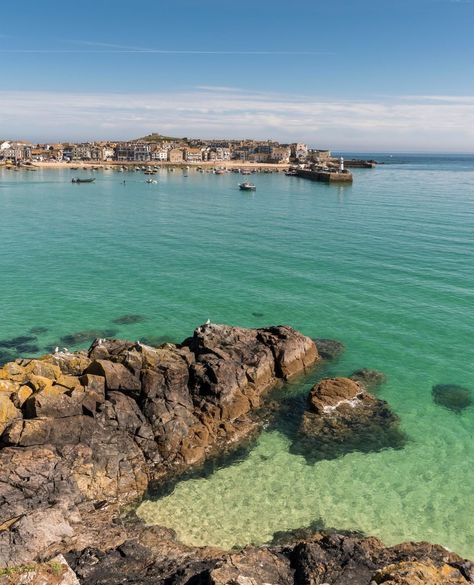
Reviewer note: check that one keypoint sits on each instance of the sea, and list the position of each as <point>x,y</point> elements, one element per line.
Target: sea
<point>385,265</point>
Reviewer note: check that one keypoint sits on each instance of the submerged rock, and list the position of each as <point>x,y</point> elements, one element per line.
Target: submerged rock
<point>87,336</point>
<point>27,348</point>
<point>370,379</point>
<point>6,356</point>
<point>329,349</point>
<point>129,319</point>
<point>343,417</point>
<point>14,342</point>
<point>453,397</point>
<point>157,340</point>
<point>39,330</point>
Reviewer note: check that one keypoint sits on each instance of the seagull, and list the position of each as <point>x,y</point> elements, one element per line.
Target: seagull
<point>208,322</point>
<point>56,349</point>
<point>65,350</point>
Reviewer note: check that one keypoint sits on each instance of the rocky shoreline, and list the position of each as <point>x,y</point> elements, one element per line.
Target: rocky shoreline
<point>83,435</point>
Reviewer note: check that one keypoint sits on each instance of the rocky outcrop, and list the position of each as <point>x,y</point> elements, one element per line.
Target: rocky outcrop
<point>82,434</point>
<point>333,559</point>
<point>343,417</point>
<point>337,559</point>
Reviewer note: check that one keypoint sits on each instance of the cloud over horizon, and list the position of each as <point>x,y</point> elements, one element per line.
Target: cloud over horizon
<point>383,123</point>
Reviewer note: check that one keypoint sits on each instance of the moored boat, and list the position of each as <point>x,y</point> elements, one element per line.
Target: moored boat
<point>247,186</point>
<point>78,180</point>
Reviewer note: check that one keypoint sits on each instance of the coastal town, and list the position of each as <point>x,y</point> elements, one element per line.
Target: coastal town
<point>155,148</point>
<point>152,150</point>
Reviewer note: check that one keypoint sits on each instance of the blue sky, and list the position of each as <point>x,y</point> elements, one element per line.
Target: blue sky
<point>365,75</point>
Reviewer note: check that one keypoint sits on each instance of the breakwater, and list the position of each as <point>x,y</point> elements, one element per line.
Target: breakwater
<point>325,176</point>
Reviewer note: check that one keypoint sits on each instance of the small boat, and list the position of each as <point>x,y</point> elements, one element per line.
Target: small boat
<point>291,173</point>
<point>245,172</point>
<point>247,186</point>
<point>77,180</point>
<point>151,181</point>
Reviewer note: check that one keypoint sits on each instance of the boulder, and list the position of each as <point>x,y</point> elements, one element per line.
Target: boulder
<point>8,412</point>
<point>343,417</point>
<point>55,405</point>
<point>72,364</point>
<point>117,376</point>
<point>329,394</point>
<point>419,573</point>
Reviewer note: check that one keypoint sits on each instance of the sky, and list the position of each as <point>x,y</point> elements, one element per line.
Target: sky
<point>365,75</point>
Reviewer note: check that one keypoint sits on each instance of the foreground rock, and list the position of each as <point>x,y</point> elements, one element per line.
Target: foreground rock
<point>83,434</point>
<point>153,557</point>
<point>343,417</point>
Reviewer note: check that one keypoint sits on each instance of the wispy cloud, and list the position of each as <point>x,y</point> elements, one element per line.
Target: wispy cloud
<point>112,47</point>
<point>96,47</point>
<point>158,52</point>
<point>416,122</point>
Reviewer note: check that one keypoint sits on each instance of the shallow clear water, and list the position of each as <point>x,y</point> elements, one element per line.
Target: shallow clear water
<point>385,265</point>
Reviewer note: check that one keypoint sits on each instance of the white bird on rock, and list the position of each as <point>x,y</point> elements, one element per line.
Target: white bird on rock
<point>56,349</point>
<point>208,322</point>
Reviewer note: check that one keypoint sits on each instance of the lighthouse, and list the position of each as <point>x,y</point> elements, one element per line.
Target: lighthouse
<point>341,165</point>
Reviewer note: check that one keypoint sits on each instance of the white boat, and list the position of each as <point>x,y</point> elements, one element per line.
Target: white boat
<point>247,186</point>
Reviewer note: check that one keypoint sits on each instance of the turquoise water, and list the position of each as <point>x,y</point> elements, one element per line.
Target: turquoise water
<point>385,265</point>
